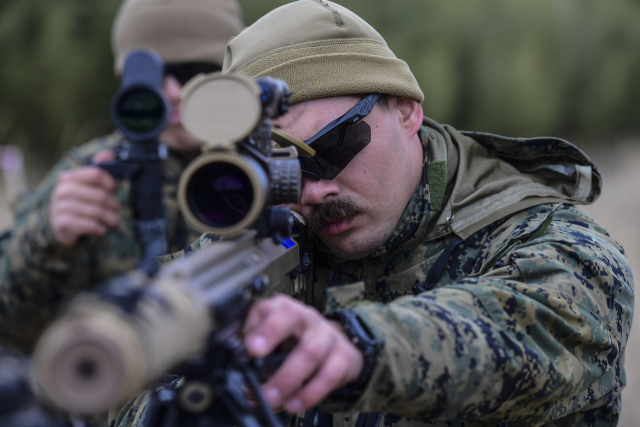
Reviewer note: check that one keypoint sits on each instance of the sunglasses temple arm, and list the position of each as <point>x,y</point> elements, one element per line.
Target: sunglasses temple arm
<point>310,174</point>
<point>348,116</point>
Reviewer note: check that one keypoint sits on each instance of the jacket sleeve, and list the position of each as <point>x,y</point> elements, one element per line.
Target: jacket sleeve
<point>32,265</point>
<point>37,275</point>
<point>538,333</point>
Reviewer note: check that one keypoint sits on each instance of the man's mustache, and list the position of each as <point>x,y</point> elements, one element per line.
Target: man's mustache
<point>331,211</point>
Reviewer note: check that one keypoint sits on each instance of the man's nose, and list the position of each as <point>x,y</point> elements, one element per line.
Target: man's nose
<point>172,89</point>
<point>314,191</point>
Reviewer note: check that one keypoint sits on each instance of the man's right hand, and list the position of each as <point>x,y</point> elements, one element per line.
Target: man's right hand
<point>83,203</point>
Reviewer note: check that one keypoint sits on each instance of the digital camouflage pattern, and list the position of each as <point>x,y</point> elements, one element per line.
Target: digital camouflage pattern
<point>526,325</point>
<point>202,242</point>
<point>132,412</point>
<point>342,296</point>
<point>539,336</point>
<point>129,415</point>
<point>37,275</point>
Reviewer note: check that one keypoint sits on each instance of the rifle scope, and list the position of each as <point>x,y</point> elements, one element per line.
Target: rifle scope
<point>231,184</point>
<point>141,112</point>
<point>139,109</point>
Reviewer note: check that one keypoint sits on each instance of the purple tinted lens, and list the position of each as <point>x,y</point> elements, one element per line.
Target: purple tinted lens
<point>183,72</point>
<point>220,195</point>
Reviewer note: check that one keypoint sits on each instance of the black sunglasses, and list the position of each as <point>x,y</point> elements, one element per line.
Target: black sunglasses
<point>339,141</point>
<point>185,71</point>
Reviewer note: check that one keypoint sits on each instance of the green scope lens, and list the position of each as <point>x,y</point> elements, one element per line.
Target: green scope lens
<point>140,111</point>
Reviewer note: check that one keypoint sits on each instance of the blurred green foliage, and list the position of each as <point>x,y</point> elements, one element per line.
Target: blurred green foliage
<point>56,75</point>
<point>523,68</point>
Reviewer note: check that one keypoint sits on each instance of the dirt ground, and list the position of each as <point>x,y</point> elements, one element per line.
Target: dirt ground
<point>618,209</point>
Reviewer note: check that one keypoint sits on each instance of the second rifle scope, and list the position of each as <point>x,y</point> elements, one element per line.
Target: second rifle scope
<point>139,109</point>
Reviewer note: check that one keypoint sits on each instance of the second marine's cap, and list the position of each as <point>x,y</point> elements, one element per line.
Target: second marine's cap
<point>179,30</point>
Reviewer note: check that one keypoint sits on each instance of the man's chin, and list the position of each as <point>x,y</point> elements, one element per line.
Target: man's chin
<point>346,246</point>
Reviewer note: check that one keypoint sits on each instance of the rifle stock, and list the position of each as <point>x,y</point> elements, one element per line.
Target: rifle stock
<point>98,355</point>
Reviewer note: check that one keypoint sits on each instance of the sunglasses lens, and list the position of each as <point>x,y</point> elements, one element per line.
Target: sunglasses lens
<point>336,149</point>
<point>188,70</point>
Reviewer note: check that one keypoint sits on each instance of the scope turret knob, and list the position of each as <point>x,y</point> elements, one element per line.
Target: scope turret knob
<point>285,181</point>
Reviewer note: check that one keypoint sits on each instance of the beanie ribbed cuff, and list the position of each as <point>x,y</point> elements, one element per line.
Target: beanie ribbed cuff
<point>335,67</point>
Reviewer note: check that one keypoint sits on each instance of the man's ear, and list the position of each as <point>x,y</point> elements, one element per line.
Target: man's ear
<point>411,114</point>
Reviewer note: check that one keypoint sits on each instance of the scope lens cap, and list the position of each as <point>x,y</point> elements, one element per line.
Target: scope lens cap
<point>221,110</point>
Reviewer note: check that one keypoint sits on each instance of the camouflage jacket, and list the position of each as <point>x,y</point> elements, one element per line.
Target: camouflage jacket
<point>527,322</point>
<point>37,274</point>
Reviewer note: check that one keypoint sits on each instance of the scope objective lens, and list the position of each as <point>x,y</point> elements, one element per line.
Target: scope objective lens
<point>220,194</point>
<point>140,110</point>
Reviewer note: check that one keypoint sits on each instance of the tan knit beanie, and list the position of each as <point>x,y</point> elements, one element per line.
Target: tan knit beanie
<point>320,49</point>
<point>179,30</point>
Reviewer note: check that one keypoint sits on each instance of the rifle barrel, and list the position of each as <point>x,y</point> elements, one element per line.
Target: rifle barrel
<point>97,355</point>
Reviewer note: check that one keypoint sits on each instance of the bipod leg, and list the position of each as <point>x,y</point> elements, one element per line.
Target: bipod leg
<point>254,384</point>
<point>162,410</point>
<point>242,369</point>
<point>236,403</point>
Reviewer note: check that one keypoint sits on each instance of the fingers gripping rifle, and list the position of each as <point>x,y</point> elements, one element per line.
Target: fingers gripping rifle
<point>102,352</point>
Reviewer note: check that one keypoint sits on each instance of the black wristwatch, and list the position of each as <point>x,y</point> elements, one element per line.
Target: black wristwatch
<point>368,346</point>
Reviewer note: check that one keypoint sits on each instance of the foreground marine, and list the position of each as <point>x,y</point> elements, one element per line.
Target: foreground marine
<point>460,284</point>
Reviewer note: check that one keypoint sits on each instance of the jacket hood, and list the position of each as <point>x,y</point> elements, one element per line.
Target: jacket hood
<point>473,179</point>
<point>497,176</point>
